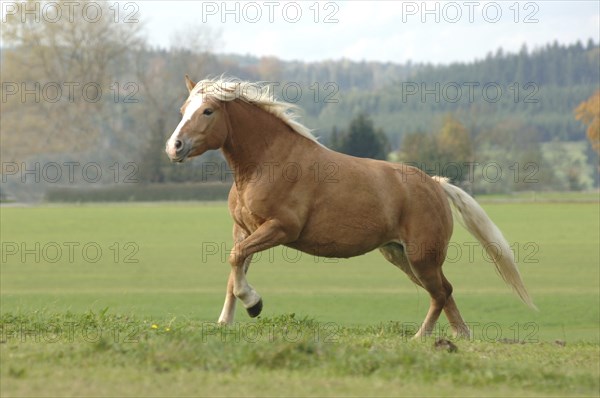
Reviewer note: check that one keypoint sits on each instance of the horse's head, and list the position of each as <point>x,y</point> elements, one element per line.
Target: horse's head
<point>203,126</point>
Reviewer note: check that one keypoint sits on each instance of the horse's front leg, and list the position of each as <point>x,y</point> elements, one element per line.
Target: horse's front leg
<point>269,234</point>
<point>228,312</point>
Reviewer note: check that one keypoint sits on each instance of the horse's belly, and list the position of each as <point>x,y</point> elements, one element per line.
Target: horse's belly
<point>341,239</point>
<point>332,249</point>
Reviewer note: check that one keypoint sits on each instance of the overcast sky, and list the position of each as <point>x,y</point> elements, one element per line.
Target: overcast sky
<point>397,31</point>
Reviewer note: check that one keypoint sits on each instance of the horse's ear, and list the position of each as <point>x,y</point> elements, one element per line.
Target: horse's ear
<point>189,83</point>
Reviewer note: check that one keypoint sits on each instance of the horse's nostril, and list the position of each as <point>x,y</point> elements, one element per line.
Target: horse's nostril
<point>178,144</point>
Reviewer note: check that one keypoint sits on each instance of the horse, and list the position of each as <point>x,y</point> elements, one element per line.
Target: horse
<point>291,190</point>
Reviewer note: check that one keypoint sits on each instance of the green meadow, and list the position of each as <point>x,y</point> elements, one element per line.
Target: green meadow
<point>107,300</point>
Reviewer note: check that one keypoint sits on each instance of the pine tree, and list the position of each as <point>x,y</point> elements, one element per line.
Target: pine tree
<point>363,140</point>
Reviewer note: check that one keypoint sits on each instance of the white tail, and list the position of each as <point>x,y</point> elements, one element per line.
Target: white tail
<point>472,216</point>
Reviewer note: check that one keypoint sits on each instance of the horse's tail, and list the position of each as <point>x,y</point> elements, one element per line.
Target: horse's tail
<point>477,222</point>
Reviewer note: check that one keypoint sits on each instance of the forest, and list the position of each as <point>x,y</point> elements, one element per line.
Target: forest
<point>513,110</point>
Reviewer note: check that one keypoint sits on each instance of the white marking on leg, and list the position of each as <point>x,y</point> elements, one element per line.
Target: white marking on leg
<point>226,317</point>
<point>228,312</point>
<point>246,293</point>
<point>241,288</point>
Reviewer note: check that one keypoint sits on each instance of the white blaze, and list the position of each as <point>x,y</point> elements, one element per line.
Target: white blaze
<point>192,107</point>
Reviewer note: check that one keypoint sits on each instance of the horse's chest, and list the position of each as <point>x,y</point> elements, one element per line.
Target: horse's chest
<point>247,218</point>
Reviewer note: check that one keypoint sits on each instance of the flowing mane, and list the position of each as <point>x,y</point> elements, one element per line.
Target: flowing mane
<point>256,93</point>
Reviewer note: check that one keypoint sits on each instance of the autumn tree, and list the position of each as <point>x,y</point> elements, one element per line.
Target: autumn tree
<point>454,148</point>
<point>59,76</point>
<point>419,148</point>
<point>588,112</point>
<point>446,152</point>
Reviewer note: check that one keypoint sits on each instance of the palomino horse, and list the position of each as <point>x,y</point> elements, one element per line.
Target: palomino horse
<point>290,190</point>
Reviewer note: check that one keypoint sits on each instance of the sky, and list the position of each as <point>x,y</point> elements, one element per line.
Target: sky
<point>439,32</point>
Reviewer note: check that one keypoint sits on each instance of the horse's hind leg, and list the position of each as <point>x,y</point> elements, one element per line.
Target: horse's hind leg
<point>458,325</point>
<point>434,281</point>
<point>430,277</point>
<point>426,276</point>
<point>394,253</point>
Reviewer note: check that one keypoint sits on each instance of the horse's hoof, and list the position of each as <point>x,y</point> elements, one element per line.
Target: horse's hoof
<point>255,310</point>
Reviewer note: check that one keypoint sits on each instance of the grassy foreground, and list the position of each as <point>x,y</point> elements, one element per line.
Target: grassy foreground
<point>117,300</point>
<point>75,355</point>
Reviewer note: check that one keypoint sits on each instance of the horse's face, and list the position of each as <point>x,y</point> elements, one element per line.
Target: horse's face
<point>202,127</point>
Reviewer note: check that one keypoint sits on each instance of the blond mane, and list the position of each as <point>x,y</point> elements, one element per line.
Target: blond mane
<point>257,93</point>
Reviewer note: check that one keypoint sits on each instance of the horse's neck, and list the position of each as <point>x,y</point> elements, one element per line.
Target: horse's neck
<point>257,139</point>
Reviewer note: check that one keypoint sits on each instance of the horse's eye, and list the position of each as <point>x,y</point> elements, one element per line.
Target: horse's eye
<point>208,112</point>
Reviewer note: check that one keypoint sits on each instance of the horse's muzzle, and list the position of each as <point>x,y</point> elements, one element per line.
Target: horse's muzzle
<point>177,150</point>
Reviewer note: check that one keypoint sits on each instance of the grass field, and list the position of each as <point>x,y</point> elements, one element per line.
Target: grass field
<point>107,300</point>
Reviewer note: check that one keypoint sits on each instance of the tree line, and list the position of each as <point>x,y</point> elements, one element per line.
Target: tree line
<point>518,103</point>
